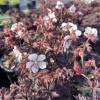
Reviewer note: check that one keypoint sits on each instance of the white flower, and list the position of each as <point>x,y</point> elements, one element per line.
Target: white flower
<point>36,62</point>
<point>52,60</point>
<point>80,13</point>
<point>69,26</point>
<point>66,43</point>
<point>46,20</point>
<point>52,16</point>
<point>72,9</point>
<point>54,20</point>
<point>64,26</point>
<point>19,33</point>
<point>78,33</point>
<point>91,31</point>
<point>14,27</point>
<point>66,37</point>
<point>72,27</point>
<point>59,5</point>
<point>17,54</point>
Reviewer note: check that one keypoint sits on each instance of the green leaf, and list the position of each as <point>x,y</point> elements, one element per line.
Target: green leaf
<point>2,17</point>
<point>86,92</point>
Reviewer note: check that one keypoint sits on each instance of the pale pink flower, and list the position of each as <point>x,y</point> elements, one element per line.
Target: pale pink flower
<point>36,62</point>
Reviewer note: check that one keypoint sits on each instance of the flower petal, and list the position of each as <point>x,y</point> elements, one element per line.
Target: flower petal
<point>52,60</point>
<point>29,64</point>
<point>78,33</point>
<point>88,29</point>
<point>54,20</point>
<point>32,57</point>
<point>52,15</point>
<point>14,27</point>
<point>46,18</point>
<point>63,25</point>
<point>19,33</point>
<point>67,37</point>
<point>35,69</point>
<point>94,31</point>
<point>42,65</point>
<point>59,5</point>
<point>41,57</point>
<point>72,9</point>
<point>72,27</point>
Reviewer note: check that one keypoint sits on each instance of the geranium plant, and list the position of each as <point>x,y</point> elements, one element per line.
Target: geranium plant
<point>52,53</point>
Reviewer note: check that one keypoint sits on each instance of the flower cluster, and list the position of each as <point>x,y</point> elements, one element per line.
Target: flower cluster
<point>90,33</point>
<point>18,28</point>
<point>50,17</point>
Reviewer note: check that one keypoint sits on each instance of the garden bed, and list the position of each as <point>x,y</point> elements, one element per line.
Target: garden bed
<point>52,53</point>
